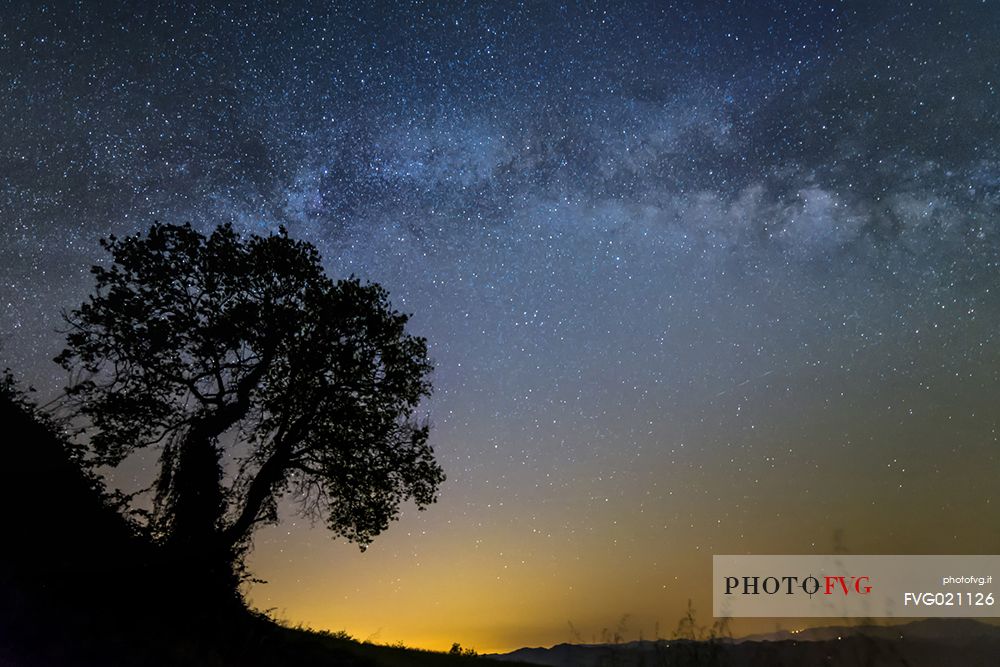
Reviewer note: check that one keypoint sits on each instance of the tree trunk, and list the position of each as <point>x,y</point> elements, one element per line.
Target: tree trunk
<point>196,539</point>
<point>196,507</point>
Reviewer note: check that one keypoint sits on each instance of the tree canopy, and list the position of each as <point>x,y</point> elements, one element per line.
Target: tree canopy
<point>256,376</point>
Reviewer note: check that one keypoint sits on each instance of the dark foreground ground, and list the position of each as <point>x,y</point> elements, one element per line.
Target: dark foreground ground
<point>78,587</point>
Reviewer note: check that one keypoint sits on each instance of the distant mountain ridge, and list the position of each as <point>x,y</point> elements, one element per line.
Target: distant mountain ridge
<point>926,643</point>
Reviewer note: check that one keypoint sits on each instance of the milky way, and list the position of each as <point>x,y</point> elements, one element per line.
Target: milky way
<point>695,280</point>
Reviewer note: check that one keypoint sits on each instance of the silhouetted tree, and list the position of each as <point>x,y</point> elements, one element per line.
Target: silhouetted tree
<point>241,354</point>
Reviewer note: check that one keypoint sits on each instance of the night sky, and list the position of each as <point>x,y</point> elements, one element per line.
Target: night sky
<point>697,278</point>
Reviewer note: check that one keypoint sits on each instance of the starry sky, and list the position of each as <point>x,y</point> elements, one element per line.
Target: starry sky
<point>697,278</point>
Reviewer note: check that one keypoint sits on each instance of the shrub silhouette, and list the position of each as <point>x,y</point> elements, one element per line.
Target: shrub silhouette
<point>456,649</point>
<point>215,347</point>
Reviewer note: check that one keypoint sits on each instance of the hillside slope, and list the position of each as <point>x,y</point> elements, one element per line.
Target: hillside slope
<point>78,587</point>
